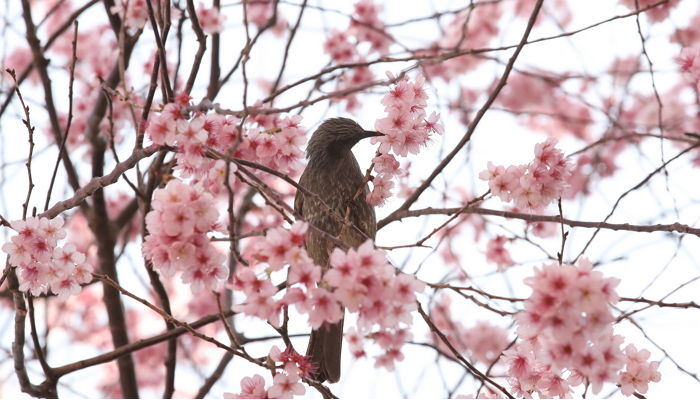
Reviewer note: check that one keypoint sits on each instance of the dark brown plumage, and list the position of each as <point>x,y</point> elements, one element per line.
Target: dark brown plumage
<point>334,175</point>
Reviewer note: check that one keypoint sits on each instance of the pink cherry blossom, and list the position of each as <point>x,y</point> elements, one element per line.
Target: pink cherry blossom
<point>532,186</point>
<point>338,46</point>
<point>305,272</point>
<point>324,308</point>
<point>181,217</point>
<point>365,283</point>
<point>210,19</point>
<point>251,388</point>
<point>567,324</point>
<point>260,12</point>
<point>655,14</point>
<point>133,12</point>
<point>367,14</point>
<point>483,341</point>
<point>498,254</point>
<point>286,386</point>
<point>405,128</point>
<point>42,265</point>
<point>293,362</point>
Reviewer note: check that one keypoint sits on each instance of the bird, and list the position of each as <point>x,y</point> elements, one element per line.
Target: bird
<point>337,190</point>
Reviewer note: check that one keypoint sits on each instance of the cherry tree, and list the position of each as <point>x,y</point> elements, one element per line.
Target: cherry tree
<point>534,187</point>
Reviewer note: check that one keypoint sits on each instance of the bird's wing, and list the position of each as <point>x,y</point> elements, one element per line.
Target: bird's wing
<point>299,201</point>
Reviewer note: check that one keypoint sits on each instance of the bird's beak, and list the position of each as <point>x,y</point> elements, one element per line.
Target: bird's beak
<point>373,134</point>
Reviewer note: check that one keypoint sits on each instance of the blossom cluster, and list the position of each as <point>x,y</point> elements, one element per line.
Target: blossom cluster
<point>261,11</point>
<point>286,381</point>
<point>342,46</point>
<point>43,265</point>
<point>406,128</point>
<point>210,19</point>
<point>638,371</point>
<point>689,63</point>
<point>134,13</point>
<point>657,13</point>
<point>536,97</point>
<point>535,185</point>
<point>364,282</point>
<point>360,280</point>
<point>178,224</point>
<point>567,325</point>
<point>484,341</point>
<point>273,141</point>
<point>497,253</point>
<point>281,247</point>
<point>365,26</point>
<point>473,28</point>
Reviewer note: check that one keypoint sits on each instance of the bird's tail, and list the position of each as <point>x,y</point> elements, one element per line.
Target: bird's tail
<point>325,348</point>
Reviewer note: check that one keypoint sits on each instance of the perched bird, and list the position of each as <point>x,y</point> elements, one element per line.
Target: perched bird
<point>334,177</point>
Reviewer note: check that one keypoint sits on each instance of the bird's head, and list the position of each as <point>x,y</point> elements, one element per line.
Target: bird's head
<point>334,138</point>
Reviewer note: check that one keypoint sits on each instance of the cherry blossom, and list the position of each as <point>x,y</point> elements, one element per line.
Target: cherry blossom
<point>286,381</point>
<point>260,12</point>
<point>405,128</point>
<point>657,13</point>
<point>498,254</point>
<point>42,265</point>
<point>182,216</point>
<point>210,19</point>
<point>367,26</point>
<point>483,341</point>
<point>535,185</point>
<point>133,12</point>
<point>339,47</point>
<point>293,362</point>
<point>689,63</point>
<point>286,386</point>
<point>251,388</point>
<point>365,283</point>
<point>567,325</point>
<point>639,372</point>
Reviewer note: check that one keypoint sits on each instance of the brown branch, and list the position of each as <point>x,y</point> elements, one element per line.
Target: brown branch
<point>38,349</point>
<point>41,63</point>
<point>238,352</point>
<point>657,303</point>
<point>30,138</point>
<point>215,63</point>
<point>46,389</point>
<point>659,103</point>
<point>161,54</point>
<point>100,225</point>
<point>98,182</point>
<point>62,147</point>
<point>136,345</point>
<point>292,34</point>
<point>215,376</point>
<point>675,227</point>
<point>454,215</point>
<point>202,40</point>
<point>249,44</point>
<point>475,290</point>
